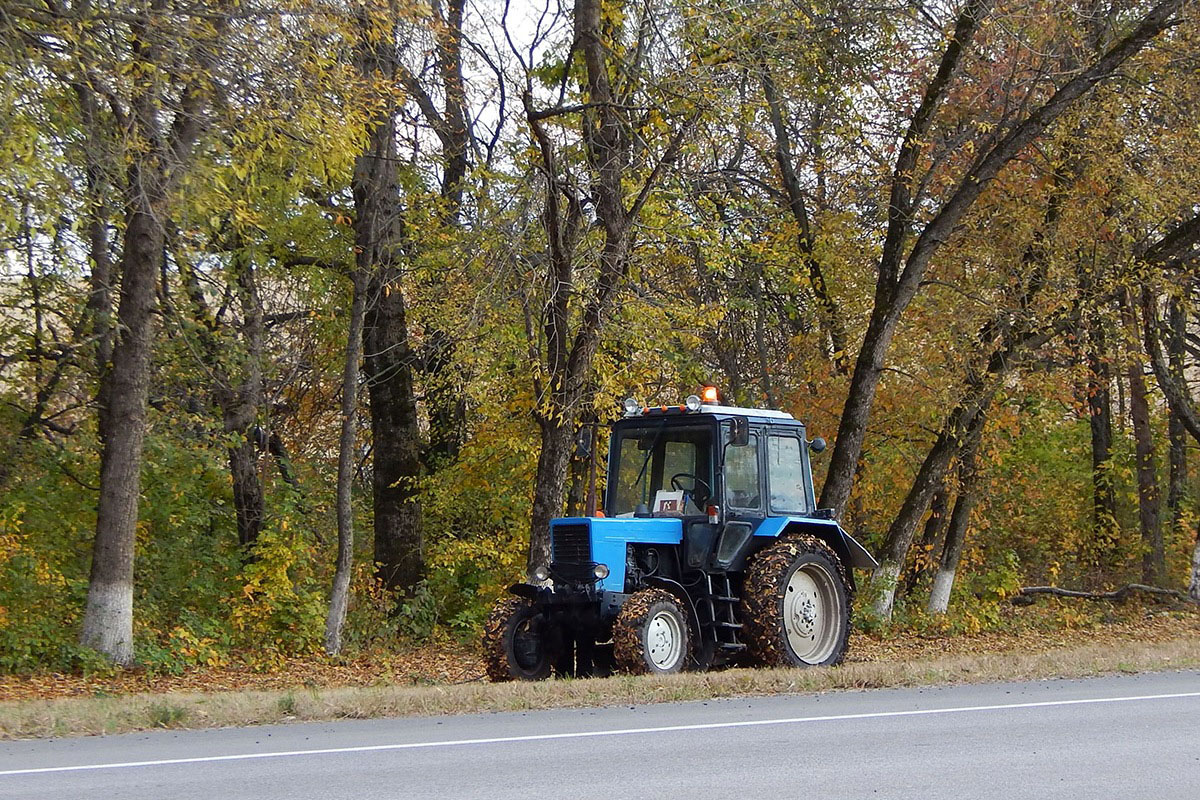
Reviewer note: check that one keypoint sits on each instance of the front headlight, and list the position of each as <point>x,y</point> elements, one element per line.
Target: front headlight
<point>600,571</point>
<point>541,574</point>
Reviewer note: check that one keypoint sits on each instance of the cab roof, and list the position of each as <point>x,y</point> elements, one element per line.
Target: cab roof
<point>720,412</point>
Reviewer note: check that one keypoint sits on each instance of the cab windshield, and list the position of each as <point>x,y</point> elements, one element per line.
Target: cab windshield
<point>647,458</point>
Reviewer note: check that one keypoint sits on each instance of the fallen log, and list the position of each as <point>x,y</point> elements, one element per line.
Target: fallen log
<point>1027,594</point>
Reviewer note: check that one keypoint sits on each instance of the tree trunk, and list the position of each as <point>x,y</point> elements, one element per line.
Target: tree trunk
<point>388,360</point>
<point>283,461</point>
<point>242,404</point>
<point>108,616</point>
<point>856,413</point>
<point>442,383</point>
<point>1178,476</point>
<point>157,149</point>
<point>930,534</point>
<point>1105,531</point>
<point>339,598</point>
<point>577,477</point>
<point>237,388</point>
<point>1153,556</point>
<point>248,501</point>
<point>1149,503</point>
<point>956,533</point>
<point>1175,245</point>
<point>961,424</point>
<point>1177,433</point>
<point>548,489</point>
<point>99,304</point>
<point>399,541</point>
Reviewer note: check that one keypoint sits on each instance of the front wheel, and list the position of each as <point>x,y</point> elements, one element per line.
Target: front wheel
<point>513,643</point>
<point>796,605</point>
<point>651,634</point>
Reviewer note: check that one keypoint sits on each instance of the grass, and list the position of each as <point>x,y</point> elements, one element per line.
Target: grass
<point>119,714</point>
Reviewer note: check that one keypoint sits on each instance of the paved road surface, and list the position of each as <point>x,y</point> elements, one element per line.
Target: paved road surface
<point>1123,737</point>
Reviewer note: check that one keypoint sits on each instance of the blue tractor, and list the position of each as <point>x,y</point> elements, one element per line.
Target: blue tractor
<point>711,551</point>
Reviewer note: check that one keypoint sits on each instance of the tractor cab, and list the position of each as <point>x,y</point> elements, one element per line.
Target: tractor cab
<point>722,471</point>
<point>710,549</point>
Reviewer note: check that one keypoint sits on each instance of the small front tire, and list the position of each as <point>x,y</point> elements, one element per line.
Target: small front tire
<point>651,634</point>
<point>514,646</point>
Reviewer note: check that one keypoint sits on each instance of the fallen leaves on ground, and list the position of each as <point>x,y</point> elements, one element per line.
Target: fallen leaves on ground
<point>1135,625</point>
<point>452,662</point>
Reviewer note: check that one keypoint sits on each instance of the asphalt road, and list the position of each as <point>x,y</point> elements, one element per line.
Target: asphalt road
<point>1121,737</point>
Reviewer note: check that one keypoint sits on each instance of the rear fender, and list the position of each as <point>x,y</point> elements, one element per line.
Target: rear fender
<point>849,551</point>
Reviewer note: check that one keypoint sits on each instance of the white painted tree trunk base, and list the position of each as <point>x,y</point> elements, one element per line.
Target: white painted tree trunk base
<point>108,622</point>
<point>886,577</point>
<point>939,593</point>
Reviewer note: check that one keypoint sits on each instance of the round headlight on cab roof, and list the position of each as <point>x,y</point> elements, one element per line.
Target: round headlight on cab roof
<point>632,406</point>
<point>693,402</point>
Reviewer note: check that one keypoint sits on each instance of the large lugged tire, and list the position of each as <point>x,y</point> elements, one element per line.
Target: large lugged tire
<point>513,646</point>
<point>796,605</point>
<point>651,634</point>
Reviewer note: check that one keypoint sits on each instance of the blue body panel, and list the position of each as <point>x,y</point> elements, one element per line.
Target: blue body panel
<point>773,526</point>
<point>851,551</point>
<point>610,536</point>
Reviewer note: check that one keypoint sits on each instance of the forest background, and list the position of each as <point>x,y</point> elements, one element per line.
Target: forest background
<point>311,307</point>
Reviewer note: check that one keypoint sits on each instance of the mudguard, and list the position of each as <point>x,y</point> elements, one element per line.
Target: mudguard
<point>528,591</point>
<point>848,550</point>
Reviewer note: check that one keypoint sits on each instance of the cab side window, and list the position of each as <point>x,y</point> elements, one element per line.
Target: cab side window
<point>785,474</point>
<point>741,475</point>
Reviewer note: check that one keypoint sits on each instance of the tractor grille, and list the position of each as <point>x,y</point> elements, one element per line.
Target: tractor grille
<point>570,544</point>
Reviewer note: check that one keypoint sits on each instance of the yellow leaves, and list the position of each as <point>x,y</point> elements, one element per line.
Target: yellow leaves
<point>10,533</point>
<point>197,650</point>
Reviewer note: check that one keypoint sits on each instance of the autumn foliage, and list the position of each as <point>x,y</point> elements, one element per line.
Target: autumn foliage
<point>960,239</point>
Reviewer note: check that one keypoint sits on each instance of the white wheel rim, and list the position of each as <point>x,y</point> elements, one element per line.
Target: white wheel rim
<point>664,640</point>
<point>810,613</point>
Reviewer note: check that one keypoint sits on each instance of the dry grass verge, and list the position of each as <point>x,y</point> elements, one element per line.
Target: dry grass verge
<point>107,715</point>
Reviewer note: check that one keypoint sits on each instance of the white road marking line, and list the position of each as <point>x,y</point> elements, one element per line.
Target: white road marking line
<point>541,737</point>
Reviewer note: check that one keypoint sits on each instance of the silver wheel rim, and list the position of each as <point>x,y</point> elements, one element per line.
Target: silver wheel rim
<point>810,613</point>
<point>664,640</point>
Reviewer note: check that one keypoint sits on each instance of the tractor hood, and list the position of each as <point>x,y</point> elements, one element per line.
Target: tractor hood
<point>608,538</point>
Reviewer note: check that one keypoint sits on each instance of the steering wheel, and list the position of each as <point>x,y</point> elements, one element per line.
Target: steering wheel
<point>699,498</point>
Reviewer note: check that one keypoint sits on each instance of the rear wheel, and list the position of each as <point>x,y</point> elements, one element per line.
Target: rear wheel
<point>796,605</point>
<point>651,633</point>
<point>514,646</point>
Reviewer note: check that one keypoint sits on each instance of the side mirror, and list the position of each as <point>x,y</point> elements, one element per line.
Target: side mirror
<point>739,431</point>
<point>817,445</point>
